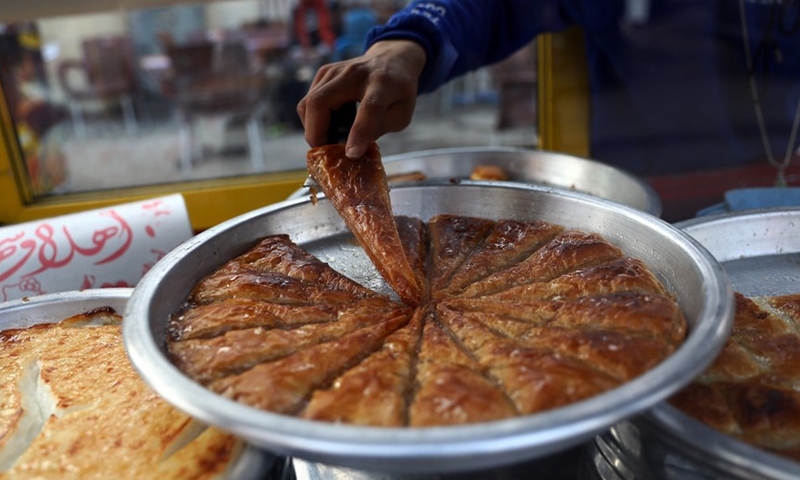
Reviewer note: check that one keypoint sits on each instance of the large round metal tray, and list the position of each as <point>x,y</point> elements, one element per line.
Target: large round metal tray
<point>760,251</point>
<point>537,167</point>
<point>253,463</point>
<point>695,277</point>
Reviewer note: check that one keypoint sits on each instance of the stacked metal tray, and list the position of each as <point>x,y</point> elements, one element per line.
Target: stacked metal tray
<point>253,463</point>
<point>697,280</point>
<point>536,167</point>
<point>760,251</point>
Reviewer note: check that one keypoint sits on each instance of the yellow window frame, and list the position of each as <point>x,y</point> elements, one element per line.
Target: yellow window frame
<point>563,92</point>
<point>563,105</point>
<point>208,202</point>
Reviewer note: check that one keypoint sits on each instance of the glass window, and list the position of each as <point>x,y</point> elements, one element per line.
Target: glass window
<point>128,98</point>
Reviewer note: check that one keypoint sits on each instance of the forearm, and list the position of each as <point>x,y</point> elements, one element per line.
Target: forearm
<point>462,35</point>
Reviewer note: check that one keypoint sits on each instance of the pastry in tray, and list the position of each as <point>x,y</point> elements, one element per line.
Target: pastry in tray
<point>750,392</point>
<point>366,209</point>
<point>515,318</point>
<point>72,406</point>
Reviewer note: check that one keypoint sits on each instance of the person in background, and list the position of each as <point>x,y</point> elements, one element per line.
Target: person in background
<point>676,86</point>
<point>40,121</point>
<point>356,23</point>
<point>313,25</point>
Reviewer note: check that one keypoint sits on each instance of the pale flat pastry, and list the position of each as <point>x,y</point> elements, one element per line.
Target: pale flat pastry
<point>73,407</point>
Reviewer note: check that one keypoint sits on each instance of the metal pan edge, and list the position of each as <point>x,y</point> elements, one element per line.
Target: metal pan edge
<point>526,165</point>
<point>446,448</point>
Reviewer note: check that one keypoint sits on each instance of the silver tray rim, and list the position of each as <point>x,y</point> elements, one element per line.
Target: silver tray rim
<point>694,438</point>
<point>28,311</point>
<point>394,164</point>
<point>440,449</point>
<point>769,244</point>
<point>25,312</point>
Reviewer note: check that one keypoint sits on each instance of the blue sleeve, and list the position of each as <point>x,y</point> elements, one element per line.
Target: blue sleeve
<point>462,35</point>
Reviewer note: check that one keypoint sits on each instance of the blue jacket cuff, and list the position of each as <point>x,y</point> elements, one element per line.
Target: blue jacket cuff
<point>421,27</point>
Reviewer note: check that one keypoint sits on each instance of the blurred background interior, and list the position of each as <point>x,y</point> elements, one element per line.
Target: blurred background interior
<point>107,101</point>
<point>113,99</point>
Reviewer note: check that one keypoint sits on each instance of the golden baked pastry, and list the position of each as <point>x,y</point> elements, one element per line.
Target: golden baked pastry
<point>72,406</point>
<point>517,317</point>
<point>750,391</point>
<point>359,191</point>
<point>488,172</point>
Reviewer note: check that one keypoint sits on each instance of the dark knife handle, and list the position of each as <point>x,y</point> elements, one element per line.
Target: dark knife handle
<point>341,122</point>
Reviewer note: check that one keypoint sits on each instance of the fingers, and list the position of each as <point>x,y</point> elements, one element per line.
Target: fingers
<point>381,111</point>
<point>383,107</point>
<point>328,92</point>
<point>383,81</point>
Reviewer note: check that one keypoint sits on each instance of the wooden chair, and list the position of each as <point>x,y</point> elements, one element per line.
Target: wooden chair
<point>107,75</point>
<point>211,79</point>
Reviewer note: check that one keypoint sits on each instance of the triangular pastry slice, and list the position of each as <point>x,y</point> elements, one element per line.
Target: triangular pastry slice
<point>453,238</point>
<point>509,242</point>
<point>358,190</point>
<point>207,359</point>
<point>374,392</point>
<point>285,385</point>
<point>567,251</point>
<point>451,387</point>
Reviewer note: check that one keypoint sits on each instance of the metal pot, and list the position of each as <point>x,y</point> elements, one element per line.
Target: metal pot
<point>760,251</point>
<point>690,272</point>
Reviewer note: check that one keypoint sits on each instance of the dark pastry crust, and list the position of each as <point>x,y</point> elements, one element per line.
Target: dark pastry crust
<point>517,317</point>
<point>360,193</point>
<point>414,237</point>
<point>374,392</point>
<point>207,359</point>
<point>750,391</point>
<point>566,252</point>
<point>509,242</point>
<point>285,385</point>
<point>452,388</point>
<point>621,275</point>
<point>279,254</point>
<point>214,319</point>
<point>453,238</point>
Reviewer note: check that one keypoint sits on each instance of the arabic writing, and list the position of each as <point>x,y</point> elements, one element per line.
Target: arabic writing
<point>112,247</point>
<point>41,250</point>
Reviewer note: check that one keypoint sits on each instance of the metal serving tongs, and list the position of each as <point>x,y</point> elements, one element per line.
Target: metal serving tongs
<point>338,129</point>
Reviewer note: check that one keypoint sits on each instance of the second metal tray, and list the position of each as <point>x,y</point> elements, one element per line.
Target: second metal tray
<point>760,251</point>
<point>535,167</point>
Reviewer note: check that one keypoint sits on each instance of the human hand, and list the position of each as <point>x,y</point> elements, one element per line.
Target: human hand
<point>383,81</point>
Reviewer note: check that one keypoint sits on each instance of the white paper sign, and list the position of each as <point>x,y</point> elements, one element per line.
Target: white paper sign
<point>110,247</point>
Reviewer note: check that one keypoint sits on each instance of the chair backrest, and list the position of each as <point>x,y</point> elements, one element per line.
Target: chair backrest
<point>109,64</point>
<point>191,59</point>
<point>232,57</point>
